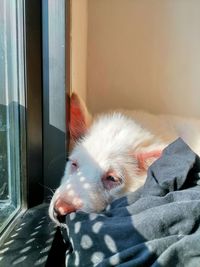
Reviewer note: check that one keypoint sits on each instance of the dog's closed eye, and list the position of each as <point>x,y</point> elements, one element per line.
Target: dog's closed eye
<point>111,180</point>
<point>74,165</point>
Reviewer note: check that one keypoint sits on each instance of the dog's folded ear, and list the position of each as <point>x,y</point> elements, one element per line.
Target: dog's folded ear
<point>80,118</point>
<point>145,159</point>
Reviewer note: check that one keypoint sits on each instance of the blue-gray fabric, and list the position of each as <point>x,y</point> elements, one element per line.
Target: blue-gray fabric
<point>158,225</point>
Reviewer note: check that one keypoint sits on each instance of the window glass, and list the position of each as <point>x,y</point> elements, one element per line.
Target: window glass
<point>11,92</point>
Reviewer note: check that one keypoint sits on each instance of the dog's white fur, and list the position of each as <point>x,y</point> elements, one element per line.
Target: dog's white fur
<point>169,127</point>
<point>114,145</point>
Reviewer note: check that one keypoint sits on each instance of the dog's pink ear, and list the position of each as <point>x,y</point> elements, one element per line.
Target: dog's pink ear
<point>145,159</point>
<point>80,118</point>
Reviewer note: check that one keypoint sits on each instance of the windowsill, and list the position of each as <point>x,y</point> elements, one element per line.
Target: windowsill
<point>30,242</point>
<point>8,213</point>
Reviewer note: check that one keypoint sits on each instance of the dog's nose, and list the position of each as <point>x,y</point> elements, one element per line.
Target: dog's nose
<point>62,207</point>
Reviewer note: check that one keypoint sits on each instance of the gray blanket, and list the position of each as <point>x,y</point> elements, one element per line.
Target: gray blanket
<point>158,225</point>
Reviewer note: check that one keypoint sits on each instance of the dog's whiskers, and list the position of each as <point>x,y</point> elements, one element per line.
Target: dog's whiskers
<point>47,187</point>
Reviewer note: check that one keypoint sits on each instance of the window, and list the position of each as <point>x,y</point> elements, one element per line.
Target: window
<point>32,130</point>
<point>11,108</point>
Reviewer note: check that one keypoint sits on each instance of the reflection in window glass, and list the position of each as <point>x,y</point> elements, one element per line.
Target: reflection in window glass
<point>10,95</point>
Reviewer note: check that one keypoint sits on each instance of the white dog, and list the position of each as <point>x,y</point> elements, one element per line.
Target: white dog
<point>111,155</point>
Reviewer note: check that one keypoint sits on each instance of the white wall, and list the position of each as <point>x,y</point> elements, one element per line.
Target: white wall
<point>144,54</point>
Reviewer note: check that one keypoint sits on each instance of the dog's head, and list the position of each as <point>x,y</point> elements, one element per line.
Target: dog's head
<point>110,158</point>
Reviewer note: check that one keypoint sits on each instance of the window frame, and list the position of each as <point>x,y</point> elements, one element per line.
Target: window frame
<point>34,88</point>
<point>55,50</point>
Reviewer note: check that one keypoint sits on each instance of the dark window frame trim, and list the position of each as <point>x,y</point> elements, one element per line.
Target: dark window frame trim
<point>34,98</point>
